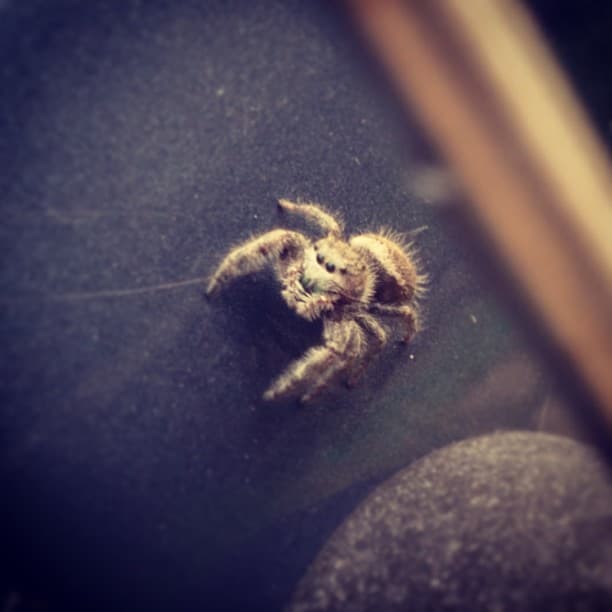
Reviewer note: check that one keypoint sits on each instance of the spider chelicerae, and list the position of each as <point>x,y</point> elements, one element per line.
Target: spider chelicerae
<point>357,286</point>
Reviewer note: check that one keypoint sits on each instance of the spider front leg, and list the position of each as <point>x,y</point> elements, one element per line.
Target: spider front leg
<point>254,255</point>
<point>314,214</point>
<point>315,364</point>
<point>343,343</point>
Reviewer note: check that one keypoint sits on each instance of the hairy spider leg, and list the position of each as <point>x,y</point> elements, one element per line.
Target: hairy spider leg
<point>315,214</point>
<point>375,331</point>
<point>272,247</point>
<point>344,342</point>
<point>406,312</point>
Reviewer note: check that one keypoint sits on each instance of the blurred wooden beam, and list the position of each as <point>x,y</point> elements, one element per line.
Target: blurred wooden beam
<point>491,96</point>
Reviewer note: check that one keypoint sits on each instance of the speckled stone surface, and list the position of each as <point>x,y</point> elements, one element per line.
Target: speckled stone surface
<point>506,522</point>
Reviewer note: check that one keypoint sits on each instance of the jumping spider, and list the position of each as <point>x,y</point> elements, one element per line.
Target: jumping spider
<point>348,284</point>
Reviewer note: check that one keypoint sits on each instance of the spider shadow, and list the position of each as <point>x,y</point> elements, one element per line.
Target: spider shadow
<point>265,333</point>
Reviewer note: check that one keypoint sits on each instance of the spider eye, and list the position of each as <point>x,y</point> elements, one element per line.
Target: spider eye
<point>330,267</point>
<point>342,270</point>
<point>320,258</point>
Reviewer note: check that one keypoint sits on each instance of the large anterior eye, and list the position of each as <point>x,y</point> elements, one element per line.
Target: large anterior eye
<point>330,267</point>
<point>320,258</point>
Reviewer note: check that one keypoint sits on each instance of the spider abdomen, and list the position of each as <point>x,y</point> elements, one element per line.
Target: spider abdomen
<point>397,277</point>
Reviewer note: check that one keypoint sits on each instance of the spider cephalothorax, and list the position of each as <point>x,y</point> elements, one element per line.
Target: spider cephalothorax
<point>348,284</point>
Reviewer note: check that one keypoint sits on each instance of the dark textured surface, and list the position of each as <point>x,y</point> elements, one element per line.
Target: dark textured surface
<point>515,521</point>
<point>138,141</point>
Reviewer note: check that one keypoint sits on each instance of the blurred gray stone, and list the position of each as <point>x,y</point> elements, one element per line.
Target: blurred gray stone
<point>510,521</point>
